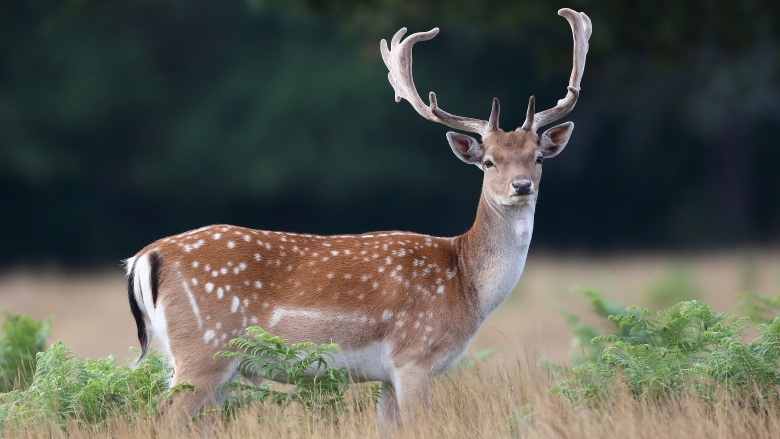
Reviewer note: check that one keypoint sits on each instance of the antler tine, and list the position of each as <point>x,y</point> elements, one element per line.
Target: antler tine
<point>581,29</point>
<point>398,59</point>
<point>494,113</point>
<point>528,125</point>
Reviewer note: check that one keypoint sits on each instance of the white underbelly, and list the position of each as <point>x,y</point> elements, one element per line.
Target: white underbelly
<point>371,363</point>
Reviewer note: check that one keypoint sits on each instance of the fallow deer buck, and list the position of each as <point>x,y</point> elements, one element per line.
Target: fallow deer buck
<point>402,306</point>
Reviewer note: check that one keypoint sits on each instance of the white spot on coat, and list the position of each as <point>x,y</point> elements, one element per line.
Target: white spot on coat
<point>387,315</point>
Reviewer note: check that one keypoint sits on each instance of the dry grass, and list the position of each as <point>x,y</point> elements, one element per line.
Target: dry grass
<point>504,397</point>
<point>487,401</point>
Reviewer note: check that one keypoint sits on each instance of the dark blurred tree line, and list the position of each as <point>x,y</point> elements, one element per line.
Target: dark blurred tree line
<point>124,121</point>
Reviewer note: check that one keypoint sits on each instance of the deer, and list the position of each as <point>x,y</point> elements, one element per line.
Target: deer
<point>403,307</point>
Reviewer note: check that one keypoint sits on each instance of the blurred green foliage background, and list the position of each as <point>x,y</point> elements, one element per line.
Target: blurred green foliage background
<point>125,121</point>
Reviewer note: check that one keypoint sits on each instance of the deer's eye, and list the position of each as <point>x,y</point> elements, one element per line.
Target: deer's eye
<point>488,164</point>
<point>539,160</point>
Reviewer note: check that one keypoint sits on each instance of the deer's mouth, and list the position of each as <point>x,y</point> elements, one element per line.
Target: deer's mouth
<point>516,200</point>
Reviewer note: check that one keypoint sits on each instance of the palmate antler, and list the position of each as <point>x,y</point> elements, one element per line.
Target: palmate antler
<point>398,59</point>
<point>581,30</point>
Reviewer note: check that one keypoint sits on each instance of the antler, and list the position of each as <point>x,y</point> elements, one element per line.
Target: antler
<point>581,30</point>
<point>398,59</point>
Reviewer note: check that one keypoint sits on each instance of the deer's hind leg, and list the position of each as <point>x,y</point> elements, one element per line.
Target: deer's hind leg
<point>208,378</point>
<point>193,347</point>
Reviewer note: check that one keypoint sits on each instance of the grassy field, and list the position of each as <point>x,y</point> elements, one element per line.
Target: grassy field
<point>502,397</point>
<point>489,401</point>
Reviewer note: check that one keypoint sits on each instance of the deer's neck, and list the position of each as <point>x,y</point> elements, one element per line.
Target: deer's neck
<point>492,254</point>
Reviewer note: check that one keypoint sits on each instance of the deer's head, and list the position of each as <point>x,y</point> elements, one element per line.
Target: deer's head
<point>511,160</point>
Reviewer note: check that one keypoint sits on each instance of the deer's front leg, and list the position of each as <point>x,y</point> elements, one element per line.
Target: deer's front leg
<point>407,394</point>
<point>387,406</point>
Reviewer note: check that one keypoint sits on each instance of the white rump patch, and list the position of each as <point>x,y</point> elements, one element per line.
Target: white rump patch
<point>160,331</point>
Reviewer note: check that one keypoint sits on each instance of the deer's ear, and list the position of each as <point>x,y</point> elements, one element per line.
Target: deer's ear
<point>465,147</point>
<point>555,139</point>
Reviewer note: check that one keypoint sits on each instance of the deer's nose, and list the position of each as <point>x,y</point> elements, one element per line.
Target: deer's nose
<point>522,187</point>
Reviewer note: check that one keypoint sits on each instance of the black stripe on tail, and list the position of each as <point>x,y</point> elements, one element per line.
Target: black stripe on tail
<point>140,323</point>
<point>154,265</point>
